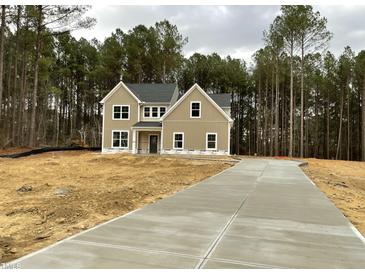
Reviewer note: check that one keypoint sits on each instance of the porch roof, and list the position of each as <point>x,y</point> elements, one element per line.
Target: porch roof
<point>145,124</point>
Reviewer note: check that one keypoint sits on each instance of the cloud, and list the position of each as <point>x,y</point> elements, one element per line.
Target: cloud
<point>347,23</point>
<point>226,30</point>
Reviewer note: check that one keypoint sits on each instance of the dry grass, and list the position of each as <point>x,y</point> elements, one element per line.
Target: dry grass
<point>100,187</point>
<point>344,183</point>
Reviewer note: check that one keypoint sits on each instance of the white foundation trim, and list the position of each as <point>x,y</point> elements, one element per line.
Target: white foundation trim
<point>194,152</point>
<point>115,150</point>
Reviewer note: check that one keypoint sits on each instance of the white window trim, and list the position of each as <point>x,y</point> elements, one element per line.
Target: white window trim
<point>129,112</point>
<point>144,116</point>
<point>159,111</point>
<point>173,140</point>
<point>191,109</point>
<point>206,140</point>
<point>114,130</point>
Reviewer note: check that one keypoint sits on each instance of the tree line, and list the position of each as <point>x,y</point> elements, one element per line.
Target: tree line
<point>51,83</point>
<point>297,98</point>
<point>308,102</point>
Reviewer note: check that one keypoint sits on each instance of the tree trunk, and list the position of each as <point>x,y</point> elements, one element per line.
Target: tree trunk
<point>291,103</point>
<point>277,110</point>
<point>57,122</point>
<point>23,84</point>
<point>8,100</point>
<point>164,72</point>
<point>283,124</point>
<point>272,116</point>
<point>237,122</point>
<point>295,124</point>
<point>340,128</point>
<point>301,101</point>
<point>15,125</point>
<point>348,122</point>
<point>249,128</point>
<point>363,120</point>
<point>328,126</point>
<point>265,117</point>
<point>255,123</point>
<point>2,38</point>
<point>232,144</point>
<point>258,131</point>
<point>32,141</point>
<point>316,133</point>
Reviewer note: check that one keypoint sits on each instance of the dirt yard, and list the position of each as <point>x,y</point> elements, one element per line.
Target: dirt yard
<point>344,183</point>
<point>48,197</point>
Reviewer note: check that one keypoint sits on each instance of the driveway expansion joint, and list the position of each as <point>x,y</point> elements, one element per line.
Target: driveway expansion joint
<point>228,224</point>
<point>259,213</point>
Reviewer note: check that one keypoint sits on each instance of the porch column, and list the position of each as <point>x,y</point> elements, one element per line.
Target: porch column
<point>134,141</point>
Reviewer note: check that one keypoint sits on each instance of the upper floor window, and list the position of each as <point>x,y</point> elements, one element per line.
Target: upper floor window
<point>162,111</point>
<point>195,109</point>
<point>120,112</point>
<point>155,112</point>
<point>147,112</point>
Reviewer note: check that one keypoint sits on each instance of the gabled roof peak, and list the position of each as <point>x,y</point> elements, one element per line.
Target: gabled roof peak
<point>181,99</point>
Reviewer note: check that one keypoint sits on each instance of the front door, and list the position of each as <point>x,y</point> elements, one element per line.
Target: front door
<point>153,143</point>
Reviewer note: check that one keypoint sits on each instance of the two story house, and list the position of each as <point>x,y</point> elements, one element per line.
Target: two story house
<point>154,118</point>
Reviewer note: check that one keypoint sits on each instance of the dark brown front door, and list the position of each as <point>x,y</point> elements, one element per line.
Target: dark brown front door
<point>153,143</point>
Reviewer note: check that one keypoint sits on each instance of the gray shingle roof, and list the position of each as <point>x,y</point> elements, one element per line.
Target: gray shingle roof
<point>148,124</point>
<point>222,99</point>
<point>153,92</point>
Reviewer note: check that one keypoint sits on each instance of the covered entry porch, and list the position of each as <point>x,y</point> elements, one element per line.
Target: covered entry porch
<point>146,138</point>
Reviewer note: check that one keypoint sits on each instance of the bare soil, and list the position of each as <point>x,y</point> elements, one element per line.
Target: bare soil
<point>48,197</point>
<point>344,183</point>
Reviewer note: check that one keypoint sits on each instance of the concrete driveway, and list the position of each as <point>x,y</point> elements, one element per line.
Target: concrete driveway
<point>258,214</point>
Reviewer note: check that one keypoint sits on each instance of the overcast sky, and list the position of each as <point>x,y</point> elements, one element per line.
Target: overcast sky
<point>227,30</point>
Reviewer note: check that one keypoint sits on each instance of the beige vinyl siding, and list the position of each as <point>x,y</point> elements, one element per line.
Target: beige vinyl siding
<point>120,97</point>
<point>195,129</point>
<point>195,135</point>
<point>143,140</point>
